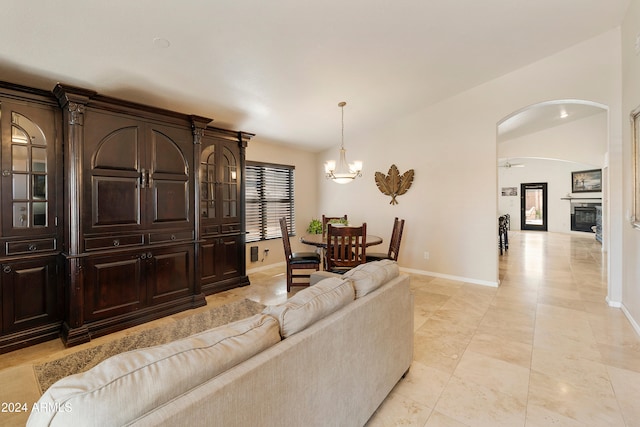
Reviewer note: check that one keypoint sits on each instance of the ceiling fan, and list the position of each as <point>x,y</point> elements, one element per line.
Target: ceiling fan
<point>507,164</point>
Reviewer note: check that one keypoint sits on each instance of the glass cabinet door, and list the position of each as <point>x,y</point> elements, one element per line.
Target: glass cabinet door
<point>229,184</point>
<point>219,182</point>
<point>208,183</point>
<point>27,161</point>
<point>29,173</point>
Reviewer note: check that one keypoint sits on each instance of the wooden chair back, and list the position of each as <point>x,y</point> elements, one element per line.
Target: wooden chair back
<point>285,238</point>
<point>306,261</point>
<point>346,247</point>
<point>396,237</point>
<point>327,219</point>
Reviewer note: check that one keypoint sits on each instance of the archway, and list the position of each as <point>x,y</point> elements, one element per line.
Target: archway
<point>553,138</point>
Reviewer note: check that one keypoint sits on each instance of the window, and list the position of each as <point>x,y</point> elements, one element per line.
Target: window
<point>269,197</point>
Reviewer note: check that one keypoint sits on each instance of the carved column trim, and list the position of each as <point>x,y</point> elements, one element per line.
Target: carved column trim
<point>76,113</point>
<point>73,102</point>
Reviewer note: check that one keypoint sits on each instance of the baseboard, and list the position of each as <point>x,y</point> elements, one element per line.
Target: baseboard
<point>633,322</point>
<point>611,303</point>
<point>407,270</point>
<point>450,277</point>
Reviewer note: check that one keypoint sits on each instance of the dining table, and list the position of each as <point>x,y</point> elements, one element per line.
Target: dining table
<point>320,240</point>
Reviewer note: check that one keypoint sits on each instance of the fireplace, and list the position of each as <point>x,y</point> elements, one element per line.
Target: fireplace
<point>583,216</point>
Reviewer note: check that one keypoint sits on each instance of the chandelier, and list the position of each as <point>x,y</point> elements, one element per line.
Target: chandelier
<point>344,172</point>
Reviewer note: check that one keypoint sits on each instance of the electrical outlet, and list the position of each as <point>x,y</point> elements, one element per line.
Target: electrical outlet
<point>426,255</point>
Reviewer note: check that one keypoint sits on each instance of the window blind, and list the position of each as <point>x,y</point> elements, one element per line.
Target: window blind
<point>269,197</point>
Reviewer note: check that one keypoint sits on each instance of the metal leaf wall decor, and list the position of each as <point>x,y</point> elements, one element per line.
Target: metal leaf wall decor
<point>394,184</point>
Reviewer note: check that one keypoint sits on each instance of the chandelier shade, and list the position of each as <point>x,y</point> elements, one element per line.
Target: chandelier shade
<point>342,172</point>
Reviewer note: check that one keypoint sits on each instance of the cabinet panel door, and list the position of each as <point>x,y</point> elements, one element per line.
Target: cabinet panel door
<point>30,294</point>
<point>170,201</point>
<point>113,160</point>
<point>28,168</point>
<point>208,261</point>
<point>169,154</point>
<point>229,252</point>
<point>170,273</point>
<point>220,259</point>
<point>113,285</point>
<point>116,200</point>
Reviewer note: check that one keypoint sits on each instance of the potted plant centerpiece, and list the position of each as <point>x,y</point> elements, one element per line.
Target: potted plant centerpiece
<point>315,227</point>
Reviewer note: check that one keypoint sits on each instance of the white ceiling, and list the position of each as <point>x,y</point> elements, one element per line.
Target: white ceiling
<point>279,68</point>
<point>545,115</point>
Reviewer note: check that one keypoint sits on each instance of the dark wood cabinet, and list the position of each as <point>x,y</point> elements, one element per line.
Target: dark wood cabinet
<point>131,228</point>
<point>139,198</point>
<point>113,213</point>
<point>30,275</point>
<point>221,210</point>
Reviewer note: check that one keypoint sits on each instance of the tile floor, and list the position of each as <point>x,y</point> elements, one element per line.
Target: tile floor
<point>543,349</point>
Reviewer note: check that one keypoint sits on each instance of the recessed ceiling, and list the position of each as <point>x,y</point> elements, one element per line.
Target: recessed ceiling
<point>279,68</point>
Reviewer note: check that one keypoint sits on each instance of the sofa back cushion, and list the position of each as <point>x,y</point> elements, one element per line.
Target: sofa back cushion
<point>311,304</point>
<point>368,277</point>
<point>128,385</point>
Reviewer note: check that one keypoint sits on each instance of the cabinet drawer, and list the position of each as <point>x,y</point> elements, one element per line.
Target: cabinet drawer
<point>211,229</point>
<point>95,243</point>
<point>231,228</point>
<point>170,237</point>
<point>31,246</point>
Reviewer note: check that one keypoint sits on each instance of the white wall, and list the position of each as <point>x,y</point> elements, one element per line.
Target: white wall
<point>261,150</point>
<point>557,174</point>
<point>451,209</point>
<point>631,100</point>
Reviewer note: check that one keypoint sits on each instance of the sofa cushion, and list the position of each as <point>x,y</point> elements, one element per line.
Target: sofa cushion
<point>152,376</point>
<point>318,276</point>
<point>311,304</point>
<point>368,277</point>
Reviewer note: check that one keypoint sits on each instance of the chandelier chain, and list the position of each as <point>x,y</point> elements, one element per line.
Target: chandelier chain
<point>342,104</point>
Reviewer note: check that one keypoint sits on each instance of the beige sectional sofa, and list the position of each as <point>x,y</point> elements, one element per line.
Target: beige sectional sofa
<point>328,356</point>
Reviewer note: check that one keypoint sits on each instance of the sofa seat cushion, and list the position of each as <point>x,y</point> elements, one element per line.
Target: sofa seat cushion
<point>311,304</point>
<point>368,277</point>
<point>128,385</point>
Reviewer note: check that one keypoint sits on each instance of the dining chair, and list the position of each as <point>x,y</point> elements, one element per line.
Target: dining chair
<point>503,234</point>
<point>346,247</point>
<point>297,260</point>
<point>394,244</point>
<point>327,219</point>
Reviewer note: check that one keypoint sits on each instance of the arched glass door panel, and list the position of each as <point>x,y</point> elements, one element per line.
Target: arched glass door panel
<point>208,183</point>
<point>29,174</point>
